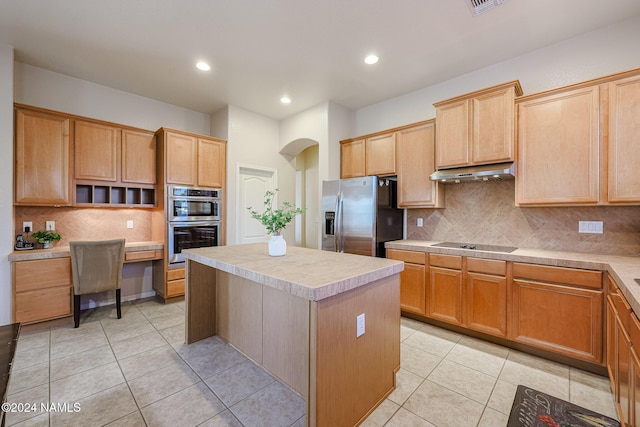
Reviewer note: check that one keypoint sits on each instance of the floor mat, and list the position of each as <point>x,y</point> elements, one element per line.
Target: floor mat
<point>532,408</point>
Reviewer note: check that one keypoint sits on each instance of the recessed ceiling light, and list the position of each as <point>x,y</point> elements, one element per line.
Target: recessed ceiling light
<point>285,100</point>
<point>203,66</point>
<point>371,59</point>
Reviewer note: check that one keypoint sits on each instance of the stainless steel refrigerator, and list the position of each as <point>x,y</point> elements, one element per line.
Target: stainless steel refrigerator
<point>360,214</point>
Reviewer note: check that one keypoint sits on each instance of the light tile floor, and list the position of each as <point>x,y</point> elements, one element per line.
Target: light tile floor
<point>137,371</point>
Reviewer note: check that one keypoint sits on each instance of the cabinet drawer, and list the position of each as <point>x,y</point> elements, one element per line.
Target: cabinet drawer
<point>175,288</point>
<point>43,304</point>
<point>570,276</point>
<point>446,261</point>
<point>488,266</point>
<point>41,273</point>
<point>176,274</point>
<point>142,255</point>
<point>407,256</point>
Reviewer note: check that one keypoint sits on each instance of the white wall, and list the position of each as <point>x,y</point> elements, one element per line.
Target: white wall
<point>327,124</point>
<point>606,51</point>
<point>254,140</point>
<point>46,89</point>
<point>6,176</point>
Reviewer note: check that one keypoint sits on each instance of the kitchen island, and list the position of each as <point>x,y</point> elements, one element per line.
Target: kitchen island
<point>296,316</point>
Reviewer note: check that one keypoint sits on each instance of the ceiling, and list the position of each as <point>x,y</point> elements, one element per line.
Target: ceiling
<point>309,50</point>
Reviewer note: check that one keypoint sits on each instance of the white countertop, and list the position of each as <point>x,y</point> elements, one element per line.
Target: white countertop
<point>307,273</point>
<point>623,269</point>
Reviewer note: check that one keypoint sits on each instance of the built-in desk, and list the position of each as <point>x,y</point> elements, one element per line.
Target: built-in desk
<point>296,316</point>
<point>42,286</point>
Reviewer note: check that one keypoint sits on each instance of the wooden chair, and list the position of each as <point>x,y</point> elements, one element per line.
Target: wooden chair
<point>96,267</point>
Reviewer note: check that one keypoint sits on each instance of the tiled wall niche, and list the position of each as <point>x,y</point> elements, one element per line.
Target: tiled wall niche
<point>486,213</point>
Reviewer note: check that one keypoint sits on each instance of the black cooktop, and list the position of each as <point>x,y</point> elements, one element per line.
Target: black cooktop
<point>476,247</point>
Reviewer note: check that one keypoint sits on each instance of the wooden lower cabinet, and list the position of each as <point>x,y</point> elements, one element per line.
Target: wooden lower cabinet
<point>634,363</point>
<point>444,290</point>
<point>623,362</point>
<point>168,283</point>
<point>412,280</point>
<point>486,296</point>
<point>552,312</point>
<point>42,290</point>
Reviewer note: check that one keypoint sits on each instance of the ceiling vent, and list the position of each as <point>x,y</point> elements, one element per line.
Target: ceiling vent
<point>480,6</point>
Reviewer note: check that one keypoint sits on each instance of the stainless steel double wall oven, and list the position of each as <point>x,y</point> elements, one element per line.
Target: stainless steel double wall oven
<point>194,220</point>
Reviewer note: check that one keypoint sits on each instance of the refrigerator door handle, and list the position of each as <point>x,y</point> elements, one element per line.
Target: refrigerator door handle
<point>338,224</point>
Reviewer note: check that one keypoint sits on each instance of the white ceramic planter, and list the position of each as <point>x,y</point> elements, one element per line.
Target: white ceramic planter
<point>277,245</point>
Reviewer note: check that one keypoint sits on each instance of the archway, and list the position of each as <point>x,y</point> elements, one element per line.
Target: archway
<point>306,154</point>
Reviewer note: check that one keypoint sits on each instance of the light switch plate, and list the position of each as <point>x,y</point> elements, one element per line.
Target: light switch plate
<point>50,225</point>
<point>420,222</point>
<point>130,223</point>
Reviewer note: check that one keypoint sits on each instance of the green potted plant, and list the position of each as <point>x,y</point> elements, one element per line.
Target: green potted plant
<point>275,220</point>
<point>46,237</point>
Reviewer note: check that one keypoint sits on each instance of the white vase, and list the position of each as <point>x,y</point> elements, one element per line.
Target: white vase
<point>277,245</point>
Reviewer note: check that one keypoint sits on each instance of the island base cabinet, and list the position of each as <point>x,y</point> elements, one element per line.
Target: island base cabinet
<point>345,391</point>
<point>562,319</point>
<point>309,345</point>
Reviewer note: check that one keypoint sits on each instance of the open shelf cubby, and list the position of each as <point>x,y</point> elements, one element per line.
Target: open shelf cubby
<point>105,195</point>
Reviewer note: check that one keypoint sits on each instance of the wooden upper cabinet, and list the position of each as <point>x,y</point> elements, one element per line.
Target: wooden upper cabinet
<point>182,152</point>
<point>194,160</point>
<point>558,148</point>
<point>97,151</point>
<point>477,128</point>
<point>138,157</point>
<point>624,141</point>
<point>352,158</point>
<point>452,134</point>
<point>380,158</point>
<point>416,161</point>
<point>211,163</point>
<point>493,126</point>
<point>43,158</point>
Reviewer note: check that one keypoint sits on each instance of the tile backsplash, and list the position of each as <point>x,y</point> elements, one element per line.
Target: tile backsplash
<point>486,213</point>
<point>88,223</point>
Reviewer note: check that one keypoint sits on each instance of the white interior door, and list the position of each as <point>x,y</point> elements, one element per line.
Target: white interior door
<point>253,183</point>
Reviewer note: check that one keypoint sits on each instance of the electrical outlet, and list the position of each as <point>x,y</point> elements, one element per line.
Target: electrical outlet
<point>130,223</point>
<point>593,227</point>
<point>360,325</point>
<point>50,225</point>
<point>27,227</point>
<point>420,222</point>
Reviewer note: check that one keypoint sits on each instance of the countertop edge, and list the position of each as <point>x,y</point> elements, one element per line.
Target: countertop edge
<point>63,251</point>
<point>296,287</point>
<point>623,269</point>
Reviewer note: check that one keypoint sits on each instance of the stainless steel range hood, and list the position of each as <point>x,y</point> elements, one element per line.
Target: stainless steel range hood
<point>483,173</point>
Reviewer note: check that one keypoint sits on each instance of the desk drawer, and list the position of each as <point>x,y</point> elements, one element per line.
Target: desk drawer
<point>41,274</point>
<point>142,255</point>
<point>43,304</point>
